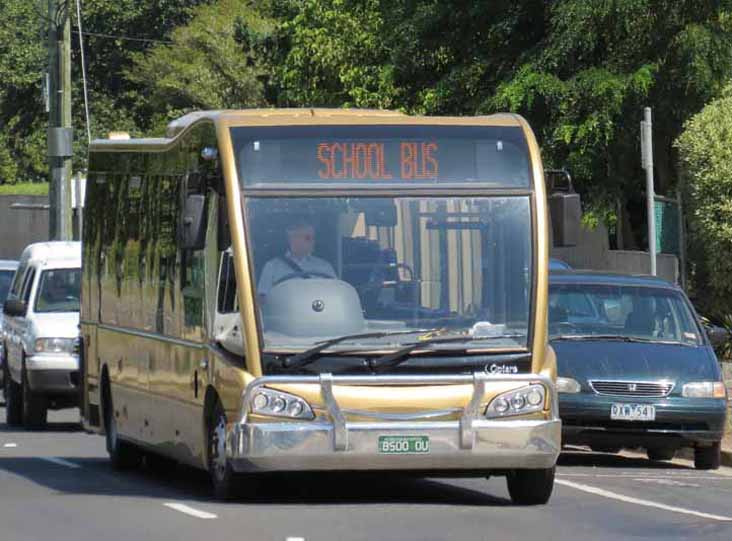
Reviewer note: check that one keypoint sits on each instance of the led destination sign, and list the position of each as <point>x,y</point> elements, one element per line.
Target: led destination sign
<point>382,155</point>
<point>417,161</point>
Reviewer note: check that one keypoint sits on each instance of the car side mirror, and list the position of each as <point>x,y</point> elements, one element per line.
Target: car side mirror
<point>193,223</point>
<point>15,308</point>
<point>717,335</point>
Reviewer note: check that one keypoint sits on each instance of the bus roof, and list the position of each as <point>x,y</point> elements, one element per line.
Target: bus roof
<point>305,116</point>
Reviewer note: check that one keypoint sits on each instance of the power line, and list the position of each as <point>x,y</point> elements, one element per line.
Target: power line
<point>124,38</point>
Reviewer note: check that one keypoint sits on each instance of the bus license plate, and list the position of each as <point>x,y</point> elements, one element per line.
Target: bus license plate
<point>633,412</point>
<point>398,445</point>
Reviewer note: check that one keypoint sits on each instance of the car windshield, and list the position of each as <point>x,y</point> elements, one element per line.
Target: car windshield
<point>334,266</point>
<point>6,277</point>
<point>647,313</point>
<point>59,291</point>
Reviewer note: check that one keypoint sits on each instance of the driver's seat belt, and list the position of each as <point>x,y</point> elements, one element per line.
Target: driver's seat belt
<point>294,266</point>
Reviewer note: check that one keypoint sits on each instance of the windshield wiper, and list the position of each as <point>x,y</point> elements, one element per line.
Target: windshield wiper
<point>616,337</point>
<point>391,360</point>
<point>309,355</point>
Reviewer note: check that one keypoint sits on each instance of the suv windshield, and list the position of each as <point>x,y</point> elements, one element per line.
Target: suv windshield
<point>59,291</point>
<point>585,310</point>
<point>334,266</point>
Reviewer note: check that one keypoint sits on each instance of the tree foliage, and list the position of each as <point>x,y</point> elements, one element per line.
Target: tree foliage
<point>706,154</point>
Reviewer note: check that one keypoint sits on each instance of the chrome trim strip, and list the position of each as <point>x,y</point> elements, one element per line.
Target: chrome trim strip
<point>659,391</point>
<point>153,336</point>
<point>402,416</point>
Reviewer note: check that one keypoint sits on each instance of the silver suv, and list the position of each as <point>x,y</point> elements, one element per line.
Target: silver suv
<point>7,270</point>
<point>41,329</point>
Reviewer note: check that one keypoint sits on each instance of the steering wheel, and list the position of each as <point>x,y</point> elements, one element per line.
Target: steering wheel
<point>304,275</point>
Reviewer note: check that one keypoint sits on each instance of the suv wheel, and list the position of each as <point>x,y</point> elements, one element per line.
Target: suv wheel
<point>13,399</point>
<point>708,458</point>
<point>35,408</point>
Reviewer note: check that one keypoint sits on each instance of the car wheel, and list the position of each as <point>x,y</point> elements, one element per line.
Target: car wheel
<point>530,487</point>
<point>708,458</point>
<point>123,455</point>
<point>35,408</point>
<point>660,453</point>
<point>13,400</point>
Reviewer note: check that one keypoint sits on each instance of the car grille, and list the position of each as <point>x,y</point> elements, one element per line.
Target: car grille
<point>632,388</point>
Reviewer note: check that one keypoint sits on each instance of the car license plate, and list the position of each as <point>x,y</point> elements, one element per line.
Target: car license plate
<point>633,412</point>
<point>397,445</point>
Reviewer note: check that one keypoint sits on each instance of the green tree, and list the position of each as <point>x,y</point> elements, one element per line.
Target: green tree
<point>216,61</point>
<point>705,150</point>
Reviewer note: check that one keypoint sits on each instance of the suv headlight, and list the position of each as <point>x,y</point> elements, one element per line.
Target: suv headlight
<point>704,389</point>
<point>279,404</point>
<point>54,345</point>
<point>517,402</point>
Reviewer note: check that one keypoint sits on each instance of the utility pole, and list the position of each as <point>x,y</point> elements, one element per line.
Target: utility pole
<point>60,136</point>
<point>647,160</point>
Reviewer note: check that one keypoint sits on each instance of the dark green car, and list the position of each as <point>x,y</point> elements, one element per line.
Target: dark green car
<point>636,368</point>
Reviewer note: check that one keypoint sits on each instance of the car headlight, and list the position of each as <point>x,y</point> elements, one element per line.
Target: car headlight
<point>568,385</point>
<point>54,345</point>
<point>517,402</point>
<point>279,404</point>
<point>704,389</point>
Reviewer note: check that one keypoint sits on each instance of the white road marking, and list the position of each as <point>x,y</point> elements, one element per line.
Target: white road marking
<point>10,445</point>
<point>60,462</point>
<point>188,510</point>
<point>295,539</point>
<point>647,475</point>
<point>638,501</point>
<point>666,482</point>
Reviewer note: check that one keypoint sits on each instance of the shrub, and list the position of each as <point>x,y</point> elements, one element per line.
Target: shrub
<point>705,152</point>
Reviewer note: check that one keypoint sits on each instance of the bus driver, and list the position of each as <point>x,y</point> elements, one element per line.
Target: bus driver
<point>298,261</point>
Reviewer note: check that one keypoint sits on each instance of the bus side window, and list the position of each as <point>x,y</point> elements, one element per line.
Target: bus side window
<point>227,285</point>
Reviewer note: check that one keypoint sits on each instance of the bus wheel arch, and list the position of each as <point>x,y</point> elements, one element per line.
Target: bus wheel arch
<point>210,401</point>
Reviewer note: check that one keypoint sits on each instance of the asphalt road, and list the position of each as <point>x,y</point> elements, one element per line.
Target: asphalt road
<point>58,485</point>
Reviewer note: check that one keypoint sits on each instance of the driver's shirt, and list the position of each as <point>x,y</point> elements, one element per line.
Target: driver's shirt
<point>276,269</point>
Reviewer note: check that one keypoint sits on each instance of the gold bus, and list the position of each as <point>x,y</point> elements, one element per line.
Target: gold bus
<point>281,290</point>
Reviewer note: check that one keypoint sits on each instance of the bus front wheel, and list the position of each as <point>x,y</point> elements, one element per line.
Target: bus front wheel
<point>530,487</point>
<point>223,477</point>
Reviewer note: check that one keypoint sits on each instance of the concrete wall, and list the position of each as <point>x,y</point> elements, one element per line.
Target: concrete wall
<point>21,227</point>
<point>593,252</point>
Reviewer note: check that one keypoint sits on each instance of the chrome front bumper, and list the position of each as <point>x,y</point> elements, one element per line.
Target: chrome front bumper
<point>332,443</point>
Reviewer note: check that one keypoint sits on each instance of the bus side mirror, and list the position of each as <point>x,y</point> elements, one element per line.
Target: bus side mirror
<point>15,308</point>
<point>565,208</point>
<point>194,223</point>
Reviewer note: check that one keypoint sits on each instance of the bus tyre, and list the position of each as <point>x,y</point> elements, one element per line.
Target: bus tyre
<point>708,458</point>
<point>223,477</point>
<point>530,487</point>
<point>660,453</point>
<point>122,455</point>
<point>35,408</point>
<point>13,399</point>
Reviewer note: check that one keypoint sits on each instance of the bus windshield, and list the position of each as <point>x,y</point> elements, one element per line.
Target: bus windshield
<point>336,265</point>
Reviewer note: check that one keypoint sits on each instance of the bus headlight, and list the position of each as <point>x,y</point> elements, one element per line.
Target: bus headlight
<point>54,345</point>
<point>704,389</point>
<point>279,404</point>
<point>518,402</point>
